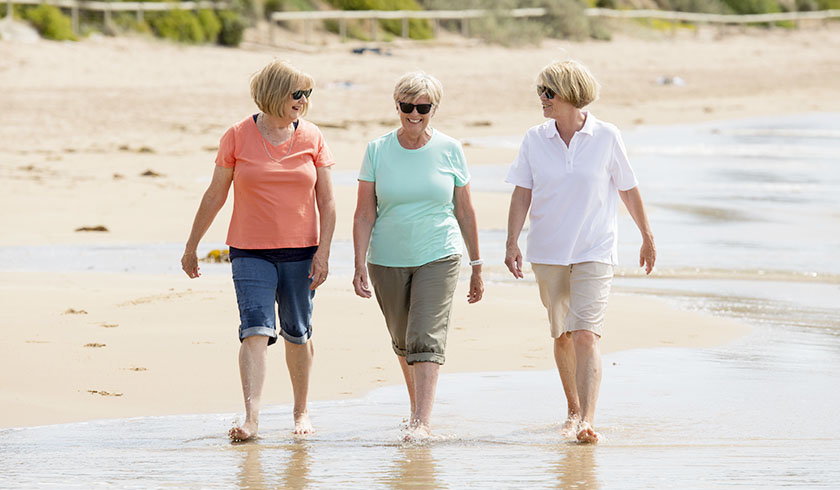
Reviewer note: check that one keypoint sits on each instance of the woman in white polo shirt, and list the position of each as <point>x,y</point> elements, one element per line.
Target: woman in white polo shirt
<point>570,172</point>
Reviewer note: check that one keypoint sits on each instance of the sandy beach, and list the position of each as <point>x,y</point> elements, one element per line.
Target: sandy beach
<point>122,133</point>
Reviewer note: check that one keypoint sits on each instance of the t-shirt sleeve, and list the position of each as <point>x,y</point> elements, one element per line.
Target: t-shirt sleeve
<point>620,170</point>
<point>323,155</point>
<point>226,156</point>
<point>459,166</point>
<point>367,173</point>
<point>520,171</point>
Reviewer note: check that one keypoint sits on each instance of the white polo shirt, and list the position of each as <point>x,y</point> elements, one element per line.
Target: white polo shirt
<point>574,192</point>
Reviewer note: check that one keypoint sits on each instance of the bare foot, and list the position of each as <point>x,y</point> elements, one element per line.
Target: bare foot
<point>244,432</point>
<point>417,433</point>
<point>570,427</point>
<point>302,425</point>
<point>586,435</point>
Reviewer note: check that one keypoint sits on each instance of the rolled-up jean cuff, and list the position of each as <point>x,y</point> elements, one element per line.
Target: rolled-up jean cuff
<point>297,340</point>
<point>424,357</point>
<point>260,330</point>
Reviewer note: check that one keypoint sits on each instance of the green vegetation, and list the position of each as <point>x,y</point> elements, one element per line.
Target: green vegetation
<point>210,24</point>
<point>233,28</point>
<point>417,28</point>
<point>50,22</point>
<point>177,25</point>
<point>565,18</point>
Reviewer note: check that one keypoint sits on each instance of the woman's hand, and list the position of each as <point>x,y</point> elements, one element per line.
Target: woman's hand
<point>189,263</point>
<point>513,260</point>
<point>320,267</point>
<point>476,286</point>
<point>360,282</point>
<point>647,255</point>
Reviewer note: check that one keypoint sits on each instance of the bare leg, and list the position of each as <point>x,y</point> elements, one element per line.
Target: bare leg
<point>299,361</point>
<point>588,377</point>
<point>564,357</point>
<point>408,374</point>
<point>425,384</point>
<point>252,357</point>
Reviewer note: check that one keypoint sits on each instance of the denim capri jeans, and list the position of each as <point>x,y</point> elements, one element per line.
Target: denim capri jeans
<point>260,284</point>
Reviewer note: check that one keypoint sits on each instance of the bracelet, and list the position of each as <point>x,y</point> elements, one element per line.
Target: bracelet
<point>476,262</point>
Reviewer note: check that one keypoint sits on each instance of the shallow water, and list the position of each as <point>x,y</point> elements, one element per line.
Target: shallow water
<point>760,411</point>
<point>746,216</point>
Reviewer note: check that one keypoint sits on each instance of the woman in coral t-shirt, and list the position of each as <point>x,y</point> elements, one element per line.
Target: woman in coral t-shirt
<point>280,231</point>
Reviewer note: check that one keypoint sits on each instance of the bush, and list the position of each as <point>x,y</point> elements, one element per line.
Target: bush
<point>210,24</point>
<point>178,25</point>
<point>233,28</point>
<point>417,28</point>
<point>754,6</point>
<point>50,23</point>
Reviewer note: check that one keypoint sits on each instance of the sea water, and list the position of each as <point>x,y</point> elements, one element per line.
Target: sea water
<point>747,221</point>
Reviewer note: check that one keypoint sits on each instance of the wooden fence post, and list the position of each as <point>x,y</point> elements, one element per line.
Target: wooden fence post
<point>140,19</point>
<point>405,28</point>
<point>74,17</point>
<point>342,29</point>
<point>108,22</point>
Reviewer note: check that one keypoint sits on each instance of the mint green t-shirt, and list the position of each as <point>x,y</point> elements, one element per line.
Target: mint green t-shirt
<point>415,221</point>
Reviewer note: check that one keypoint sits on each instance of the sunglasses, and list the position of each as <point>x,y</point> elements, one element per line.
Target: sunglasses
<point>421,108</point>
<point>300,93</point>
<point>542,90</point>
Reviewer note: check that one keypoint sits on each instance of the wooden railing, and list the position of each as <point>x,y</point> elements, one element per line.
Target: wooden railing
<point>74,6</point>
<point>342,16</point>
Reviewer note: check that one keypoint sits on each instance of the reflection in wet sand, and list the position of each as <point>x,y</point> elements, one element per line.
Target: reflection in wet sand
<point>413,467</point>
<point>287,466</point>
<point>576,467</point>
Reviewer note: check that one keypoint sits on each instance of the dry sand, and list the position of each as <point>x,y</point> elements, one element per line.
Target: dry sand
<point>81,122</point>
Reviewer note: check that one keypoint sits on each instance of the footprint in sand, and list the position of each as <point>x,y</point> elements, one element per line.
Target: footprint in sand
<point>94,344</point>
<point>73,311</point>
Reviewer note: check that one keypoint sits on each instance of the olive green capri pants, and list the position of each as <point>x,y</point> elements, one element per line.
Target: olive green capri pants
<point>416,303</point>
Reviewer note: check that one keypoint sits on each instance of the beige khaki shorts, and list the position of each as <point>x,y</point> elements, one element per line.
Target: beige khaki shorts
<point>575,295</point>
<point>416,303</point>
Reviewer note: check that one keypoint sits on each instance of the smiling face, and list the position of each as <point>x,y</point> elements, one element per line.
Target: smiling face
<point>296,107</point>
<point>415,123</point>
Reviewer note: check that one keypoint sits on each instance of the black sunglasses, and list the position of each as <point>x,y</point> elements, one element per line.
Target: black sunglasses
<point>300,93</point>
<point>549,94</point>
<point>409,108</point>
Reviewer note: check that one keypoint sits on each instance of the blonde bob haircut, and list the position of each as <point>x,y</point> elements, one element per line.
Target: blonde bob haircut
<point>272,87</point>
<point>416,84</point>
<point>571,81</point>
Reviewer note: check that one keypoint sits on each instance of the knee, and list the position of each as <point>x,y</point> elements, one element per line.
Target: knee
<point>564,341</point>
<point>584,339</point>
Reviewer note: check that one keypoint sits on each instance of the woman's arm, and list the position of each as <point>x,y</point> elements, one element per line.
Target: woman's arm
<point>363,221</point>
<point>326,211</point>
<point>465,214</point>
<point>520,202</point>
<point>213,200</point>
<point>632,199</point>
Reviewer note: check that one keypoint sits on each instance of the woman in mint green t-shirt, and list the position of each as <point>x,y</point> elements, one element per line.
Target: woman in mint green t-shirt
<point>413,208</point>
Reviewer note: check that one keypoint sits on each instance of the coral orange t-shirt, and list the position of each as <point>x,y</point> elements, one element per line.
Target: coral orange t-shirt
<point>273,186</point>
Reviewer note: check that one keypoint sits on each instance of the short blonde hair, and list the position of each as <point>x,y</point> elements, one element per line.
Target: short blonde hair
<point>272,86</point>
<point>416,84</point>
<point>571,81</point>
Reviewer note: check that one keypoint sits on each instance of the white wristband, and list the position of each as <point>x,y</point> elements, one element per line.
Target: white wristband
<point>476,262</point>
